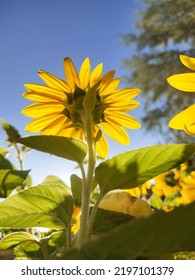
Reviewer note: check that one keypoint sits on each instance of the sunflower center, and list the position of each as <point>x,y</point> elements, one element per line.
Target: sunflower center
<point>74,108</point>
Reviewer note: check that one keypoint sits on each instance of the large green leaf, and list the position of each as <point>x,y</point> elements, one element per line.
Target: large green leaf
<point>49,206</point>
<point>10,179</point>
<point>17,238</point>
<point>130,169</point>
<point>68,148</point>
<point>152,237</point>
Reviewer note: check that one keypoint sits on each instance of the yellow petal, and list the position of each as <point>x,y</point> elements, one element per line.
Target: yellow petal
<point>123,105</point>
<point>85,73</point>
<point>107,79</point>
<point>41,92</point>
<point>72,77</point>
<point>56,126</point>
<point>190,128</point>
<point>39,110</point>
<point>121,119</point>
<point>122,94</point>
<point>184,82</point>
<point>96,74</point>
<point>54,82</point>
<point>68,132</point>
<point>188,61</point>
<point>102,146</point>
<point>109,88</point>
<point>183,119</point>
<point>116,132</point>
<point>39,124</point>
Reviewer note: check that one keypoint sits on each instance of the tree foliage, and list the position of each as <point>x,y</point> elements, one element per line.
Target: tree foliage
<point>164,29</point>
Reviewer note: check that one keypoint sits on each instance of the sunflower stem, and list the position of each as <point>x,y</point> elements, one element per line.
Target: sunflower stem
<point>87,180</point>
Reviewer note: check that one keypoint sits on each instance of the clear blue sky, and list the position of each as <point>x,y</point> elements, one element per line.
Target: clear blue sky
<point>37,35</point>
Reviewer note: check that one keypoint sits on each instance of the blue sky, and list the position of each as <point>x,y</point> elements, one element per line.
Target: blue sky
<point>37,35</point>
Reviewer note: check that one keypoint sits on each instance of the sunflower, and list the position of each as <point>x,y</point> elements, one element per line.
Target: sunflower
<point>184,82</point>
<point>61,107</point>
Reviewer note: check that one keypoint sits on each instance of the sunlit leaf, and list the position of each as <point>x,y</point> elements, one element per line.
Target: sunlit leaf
<point>68,148</point>
<point>131,169</point>
<point>155,201</point>
<point>17,238</point>
<point>47,206</point>
<point>10,179</point>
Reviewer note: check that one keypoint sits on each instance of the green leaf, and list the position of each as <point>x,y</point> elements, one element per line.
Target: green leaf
<point>131,169</point>
<point>55,180</point>
<point>10,179</point>
<point>3,151</point>
<point>106,220</point>
<point>5,163</point>
<point>14,239</point>
<point>68,148</point>
<point>76,187</point>
<point>155,201</point>
<point>47,206</point>
<point>11,131</point>
<point>160,234</point>
<point>56,239</point>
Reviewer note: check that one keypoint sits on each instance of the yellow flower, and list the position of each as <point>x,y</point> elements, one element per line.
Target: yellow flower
<point>75,220</point>
<point>141,190</point>
<point>188,188</point>
<point>185,82</point>
<point>60,106</point>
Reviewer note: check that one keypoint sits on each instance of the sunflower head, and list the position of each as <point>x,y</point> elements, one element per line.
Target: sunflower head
<point>64,107</point>
<point>185,120</point>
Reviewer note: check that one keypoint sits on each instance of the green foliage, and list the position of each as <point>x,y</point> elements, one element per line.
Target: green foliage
<point>10,179</point>
<point>164,29</point>
<point>110,235</point>
<point>5,163</point>
<point>76,187</point>
<point>149,238</point>
<point>49,206</point>
<point>16,238</point>
<point>155,201</point>
<point>11,131</point>
<point>107,220</point>
<point>68,148</point>
<point>131,169</point>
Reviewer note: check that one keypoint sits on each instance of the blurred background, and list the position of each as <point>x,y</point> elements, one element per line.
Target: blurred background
<point>139,39</point>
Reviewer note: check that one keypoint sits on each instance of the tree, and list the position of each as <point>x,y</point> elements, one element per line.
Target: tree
<point>165,29</point>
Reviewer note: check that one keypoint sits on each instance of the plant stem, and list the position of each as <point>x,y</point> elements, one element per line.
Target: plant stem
<point>87,180</point>
<point>44,250</point>
<point>19,156</point>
